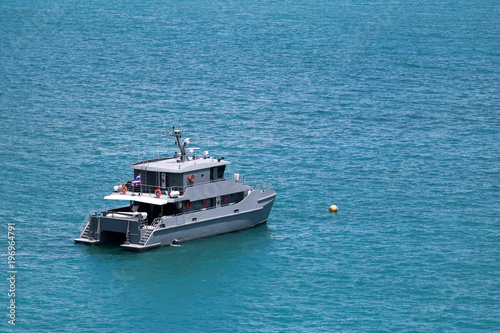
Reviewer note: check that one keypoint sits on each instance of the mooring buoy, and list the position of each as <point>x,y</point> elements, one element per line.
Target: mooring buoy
<point>333,209</point>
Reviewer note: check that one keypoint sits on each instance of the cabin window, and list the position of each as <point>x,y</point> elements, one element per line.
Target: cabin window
<point>194,219</point>
<point>220,172</point>
<point>236,211</point>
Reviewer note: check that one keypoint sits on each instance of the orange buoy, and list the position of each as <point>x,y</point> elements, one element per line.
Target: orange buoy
<point>191,178</point>
<point>223,198</point>
<point>158,192</point>
<point>123,189</point>
<point>205,202</point>
<point>188,204</point>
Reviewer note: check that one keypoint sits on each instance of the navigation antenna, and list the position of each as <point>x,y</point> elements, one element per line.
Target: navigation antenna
<point>182,145</point>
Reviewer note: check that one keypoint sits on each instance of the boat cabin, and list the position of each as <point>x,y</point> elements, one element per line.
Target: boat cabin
<point>168,174</point>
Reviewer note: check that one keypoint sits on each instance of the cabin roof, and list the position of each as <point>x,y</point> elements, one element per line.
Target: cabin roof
<point>174,165</point>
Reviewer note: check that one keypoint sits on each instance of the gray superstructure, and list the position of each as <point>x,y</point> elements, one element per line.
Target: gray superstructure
<point>178,199</point>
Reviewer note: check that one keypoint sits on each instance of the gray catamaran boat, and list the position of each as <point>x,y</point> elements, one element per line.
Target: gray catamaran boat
<point>177,199</point>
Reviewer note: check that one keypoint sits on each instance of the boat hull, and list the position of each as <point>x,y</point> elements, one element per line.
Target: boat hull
<point>250,212</point>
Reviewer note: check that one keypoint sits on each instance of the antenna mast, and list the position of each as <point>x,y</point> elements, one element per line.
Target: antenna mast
<point>177,134</point>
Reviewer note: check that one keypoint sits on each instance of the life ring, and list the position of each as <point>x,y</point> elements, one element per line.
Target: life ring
<point>205,202</point>
<point>123,189</point>
<point>188,204</point>
<point>191,178</point>
<point>223,198</point>
<point>158,192</point>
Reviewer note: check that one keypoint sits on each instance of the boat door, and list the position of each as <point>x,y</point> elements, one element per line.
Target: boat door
<point>217,202</point>
<point>163,180</point>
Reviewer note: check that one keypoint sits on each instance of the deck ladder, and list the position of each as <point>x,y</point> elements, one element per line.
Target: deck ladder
<point>149,232</point>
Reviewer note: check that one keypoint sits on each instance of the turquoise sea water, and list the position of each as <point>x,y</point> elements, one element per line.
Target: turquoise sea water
<point>388,109</point>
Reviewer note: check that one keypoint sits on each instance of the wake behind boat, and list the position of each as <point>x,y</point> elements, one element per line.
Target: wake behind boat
<point>177,199</point>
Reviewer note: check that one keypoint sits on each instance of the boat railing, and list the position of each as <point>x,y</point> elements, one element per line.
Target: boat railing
<point>237,177</point>
<point>149,189</point>
<point>143,188</point>
<point>240,178</point>
<point>261,186</point>
<point>86,220</point>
